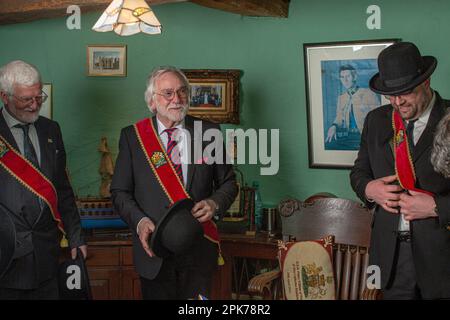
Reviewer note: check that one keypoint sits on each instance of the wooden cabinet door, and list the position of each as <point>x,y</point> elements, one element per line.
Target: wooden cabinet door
<point>105,282</point>
<point>131,285</point>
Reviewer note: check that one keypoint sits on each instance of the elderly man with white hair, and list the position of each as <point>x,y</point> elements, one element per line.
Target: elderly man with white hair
<point>168,200</point>
<point>35,188</point>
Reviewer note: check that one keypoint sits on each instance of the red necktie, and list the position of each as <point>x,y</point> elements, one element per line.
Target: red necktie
<point>173,152</point>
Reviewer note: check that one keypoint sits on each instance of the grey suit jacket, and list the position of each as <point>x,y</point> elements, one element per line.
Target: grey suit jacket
<point>38,245</point>
<point>430,238</point>
<point>136,192</point>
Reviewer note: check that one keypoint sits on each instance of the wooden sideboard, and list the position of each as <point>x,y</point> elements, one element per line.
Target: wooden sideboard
<point>111,270</point>
<point>112,274</point>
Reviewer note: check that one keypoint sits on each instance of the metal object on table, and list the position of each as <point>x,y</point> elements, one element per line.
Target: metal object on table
<point>270,221</point>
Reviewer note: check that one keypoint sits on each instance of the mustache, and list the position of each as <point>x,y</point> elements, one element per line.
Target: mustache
<point>178,105</point>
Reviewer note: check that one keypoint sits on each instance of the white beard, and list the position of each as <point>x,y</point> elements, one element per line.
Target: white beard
<point>167,113</point>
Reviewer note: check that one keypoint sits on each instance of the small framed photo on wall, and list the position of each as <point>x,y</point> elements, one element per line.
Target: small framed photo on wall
<point>214,94</point>
<point>107,60</point>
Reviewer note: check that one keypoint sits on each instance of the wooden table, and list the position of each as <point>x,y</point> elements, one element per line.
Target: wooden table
<point>236,245</point>
<point>112,274</point>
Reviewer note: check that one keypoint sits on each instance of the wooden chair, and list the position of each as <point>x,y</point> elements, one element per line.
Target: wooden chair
<point>350,224</point>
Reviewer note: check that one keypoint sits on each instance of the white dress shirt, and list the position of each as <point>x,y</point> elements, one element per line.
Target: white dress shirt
<point>182,145</point>
<point>18,133</point>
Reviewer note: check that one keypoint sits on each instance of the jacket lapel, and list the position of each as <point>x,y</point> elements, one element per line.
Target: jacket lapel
<point>155,123</point>
<point>189,125</point>
<point>6,133</point>
<point>387,136</point>
<point>44,143</point>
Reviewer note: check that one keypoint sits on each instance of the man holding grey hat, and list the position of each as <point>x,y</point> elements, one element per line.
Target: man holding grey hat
<point>393,173</point>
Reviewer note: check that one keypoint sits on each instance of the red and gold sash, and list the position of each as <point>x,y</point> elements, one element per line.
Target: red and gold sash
<point>164,171</point>
<point>404,167</point>
<point>30,177</point>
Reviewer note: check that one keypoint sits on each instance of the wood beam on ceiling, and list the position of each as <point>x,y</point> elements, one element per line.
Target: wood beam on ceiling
<point>17,11</point>
<point>259,8</point>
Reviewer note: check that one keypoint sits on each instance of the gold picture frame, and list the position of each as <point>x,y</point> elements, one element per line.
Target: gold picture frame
<point>214,94</point>
<point>106,60</point>
<point>47,106</point>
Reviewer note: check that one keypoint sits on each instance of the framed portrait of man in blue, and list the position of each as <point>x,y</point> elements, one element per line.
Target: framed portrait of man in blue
<point>338,98</point>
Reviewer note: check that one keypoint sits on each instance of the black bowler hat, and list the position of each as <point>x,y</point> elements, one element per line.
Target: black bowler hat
<point>401,68</point>
<point>177,230</point>
<point>7,239</point>
<point>73,279</point>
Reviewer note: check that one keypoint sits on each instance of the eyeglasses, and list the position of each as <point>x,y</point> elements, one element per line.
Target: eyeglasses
<point>169,94</point>
<point>401,95</point>
<point>28,101</point>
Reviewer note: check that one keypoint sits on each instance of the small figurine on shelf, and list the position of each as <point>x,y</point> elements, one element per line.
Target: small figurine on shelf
<point>106,169</point>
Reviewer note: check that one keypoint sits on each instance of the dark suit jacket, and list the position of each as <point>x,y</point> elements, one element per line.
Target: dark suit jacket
<point>430,238</point>
<point>136,192</point>
<point>38,245</point>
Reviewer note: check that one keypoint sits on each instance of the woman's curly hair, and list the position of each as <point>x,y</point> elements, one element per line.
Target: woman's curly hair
<point>440,155</point>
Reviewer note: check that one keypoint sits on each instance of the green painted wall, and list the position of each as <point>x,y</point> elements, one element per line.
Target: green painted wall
<point>267,50</point>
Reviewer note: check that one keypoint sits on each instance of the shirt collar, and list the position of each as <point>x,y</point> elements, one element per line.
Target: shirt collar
<point>162,127</point>
<point>10,120</point>
<point>426,114</point>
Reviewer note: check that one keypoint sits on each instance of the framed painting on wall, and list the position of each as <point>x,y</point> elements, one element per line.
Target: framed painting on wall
<point>107,60</point>
<point>214,94</point>
<point>339,98</point>
<point>47,107</point>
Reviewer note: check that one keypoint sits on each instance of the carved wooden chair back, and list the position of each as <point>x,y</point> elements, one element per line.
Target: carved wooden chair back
<point>350,224</point>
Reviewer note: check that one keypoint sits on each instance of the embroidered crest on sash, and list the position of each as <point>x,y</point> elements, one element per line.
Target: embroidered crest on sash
<point>3,148</point>
<point>399,137</point>
<point>158,159</point>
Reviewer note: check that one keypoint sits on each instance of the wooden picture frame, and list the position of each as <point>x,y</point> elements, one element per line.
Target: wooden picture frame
<point>338,98</point>
<point>47,106</point>
<point>214,94</point>
<point>106,60</point>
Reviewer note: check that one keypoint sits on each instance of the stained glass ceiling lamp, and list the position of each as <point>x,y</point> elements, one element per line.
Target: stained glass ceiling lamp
<point>128,17</point>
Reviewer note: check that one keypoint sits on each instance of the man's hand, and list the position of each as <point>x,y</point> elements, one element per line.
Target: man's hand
<point>145,229</point>
<point>417,205</point>
<point>331,134</point>
<point>83,248</point>
<point>204,210</point>
<point>384,193</point>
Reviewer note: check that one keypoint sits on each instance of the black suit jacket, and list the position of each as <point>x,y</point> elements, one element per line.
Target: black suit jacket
<point>136,192</point>
<point>38,245</point>
<point>430,238</point>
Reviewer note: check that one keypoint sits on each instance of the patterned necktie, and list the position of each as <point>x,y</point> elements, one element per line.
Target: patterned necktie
<point>28,149</point>
<point>173,152</point>
<point>33,204</point>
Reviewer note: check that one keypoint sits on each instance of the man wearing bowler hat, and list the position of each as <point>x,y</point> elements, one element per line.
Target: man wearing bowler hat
<point>411,235</point>
<point>168,195</point>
